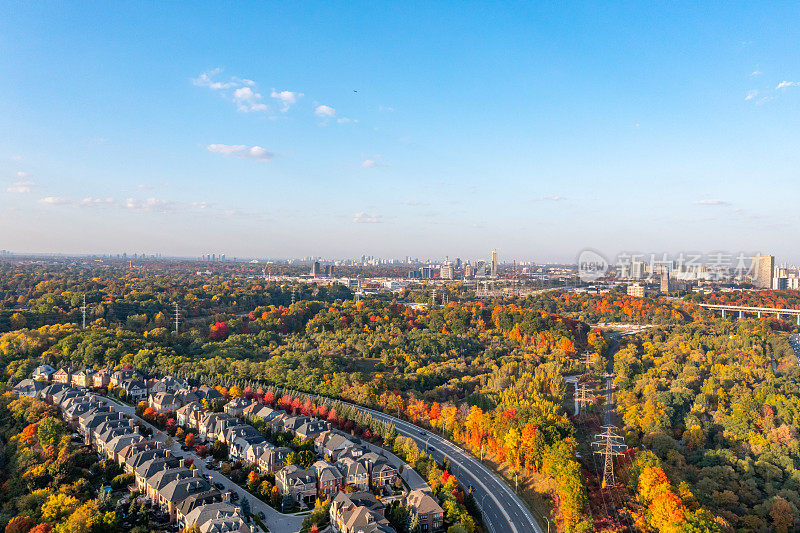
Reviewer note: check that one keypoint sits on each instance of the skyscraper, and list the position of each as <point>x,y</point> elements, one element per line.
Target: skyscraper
<point>493,271</point>
<point>763,271</point>
<point>315,269</point>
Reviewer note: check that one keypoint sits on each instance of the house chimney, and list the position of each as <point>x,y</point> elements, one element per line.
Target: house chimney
<point>226,497</point>
<point>181,463</point>
<point>196,472</point>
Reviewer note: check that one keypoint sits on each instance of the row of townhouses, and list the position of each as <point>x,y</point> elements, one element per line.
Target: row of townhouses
<point>164,478</point>
<point>344,460</point>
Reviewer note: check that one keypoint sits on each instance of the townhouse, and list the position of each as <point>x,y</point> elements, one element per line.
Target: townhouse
<point>83,378</point>
<point>119,376</point>
<point>168,384</point>
<point>312,428</point>
<point>427,508</point>
<point>381,472</point>
<point>63,375</point>
<point>29,387</point>
<point>190,415</point>
<point>300,484</point>
<point>43,373</point>
<point>273,459</point>
<point>101,378</point>
<point>163,402</point>
<point>215,517</point>
<point>359,512</point>
<point>134,388</point>
<point>354,472</point>
<point>329,479</point>
<point>236,406</point>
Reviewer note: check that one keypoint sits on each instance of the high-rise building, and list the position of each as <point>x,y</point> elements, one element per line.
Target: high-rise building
<point>493,272</point>
<point>446,271</point>
<point>315,269</point>
<point>665,282</point>
<point>763,271</point>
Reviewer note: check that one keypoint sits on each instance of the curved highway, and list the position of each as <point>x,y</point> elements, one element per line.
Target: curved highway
<point>502,510</point>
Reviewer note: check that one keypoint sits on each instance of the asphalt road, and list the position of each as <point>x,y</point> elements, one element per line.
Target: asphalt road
<point>794,341</point>
<point>503,511</point>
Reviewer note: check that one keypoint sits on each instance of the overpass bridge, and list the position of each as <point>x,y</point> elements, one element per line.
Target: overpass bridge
<point>758,311</point>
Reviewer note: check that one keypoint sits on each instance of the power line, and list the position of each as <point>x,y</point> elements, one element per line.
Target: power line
<point>177,317</point>
<point>83,311</point>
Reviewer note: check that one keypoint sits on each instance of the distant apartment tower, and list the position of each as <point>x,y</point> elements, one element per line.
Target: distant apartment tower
<point>636,289</point>
<point>764,269</point>
<point>493,271</point>
<point>446,271</point>
<point>469,272</point>
<point>666,286</point>
<point>315,270</point>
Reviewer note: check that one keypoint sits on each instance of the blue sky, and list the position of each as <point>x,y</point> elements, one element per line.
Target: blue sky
<point>336,129</point>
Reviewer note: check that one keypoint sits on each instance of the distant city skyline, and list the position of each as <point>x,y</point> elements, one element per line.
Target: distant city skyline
<point>278,130</point>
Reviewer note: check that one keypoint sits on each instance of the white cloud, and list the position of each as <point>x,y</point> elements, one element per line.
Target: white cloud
<point>286,98</point>
<point>245,98</point>
<point>367,218</point>
<point>150,204</point>
<point>206,79</point>
<point>414,203</point>
<point>751,94</point>
<point>55,200</point>
<point>552,198</point>
<point>324,111</point>
<point>241,150</point>
<point>712,202</point>
<point>373,161</point>
<point>248,100</point>
<point>94,202</point>
<point>755,73</point>
<point>786,84</point>
<point>20,187</point>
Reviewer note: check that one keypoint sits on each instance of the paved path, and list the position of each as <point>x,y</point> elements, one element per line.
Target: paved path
<point>276,522</point>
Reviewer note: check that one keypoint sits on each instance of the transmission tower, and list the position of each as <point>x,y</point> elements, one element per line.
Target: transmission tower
<point>83,310</point>
<point>583,396</point>
<point>587,360</point>
<point>177,317</point>
<point>293,295</point>
<point>610,445</point>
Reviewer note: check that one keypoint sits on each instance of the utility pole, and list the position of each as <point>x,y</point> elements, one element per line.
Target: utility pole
<point>83,310</point>
<point>610,445</point>
<point>177,317</point>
